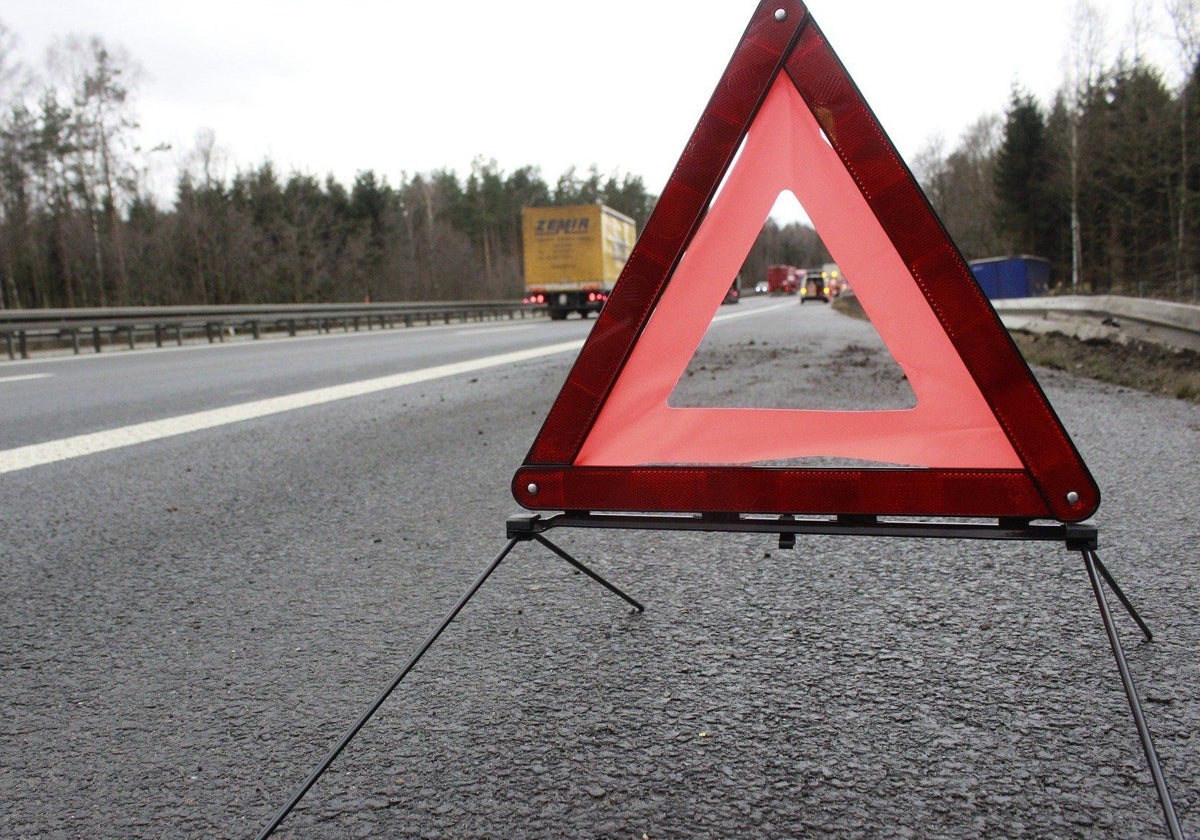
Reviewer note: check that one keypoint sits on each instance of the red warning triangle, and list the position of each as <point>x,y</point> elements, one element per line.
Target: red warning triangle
<point>982,439</point>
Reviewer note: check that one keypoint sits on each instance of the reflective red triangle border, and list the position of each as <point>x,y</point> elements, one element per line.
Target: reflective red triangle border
<point>1054,483</point>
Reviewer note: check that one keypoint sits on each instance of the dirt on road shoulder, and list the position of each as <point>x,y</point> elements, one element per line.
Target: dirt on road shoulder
<point>1133,364</point>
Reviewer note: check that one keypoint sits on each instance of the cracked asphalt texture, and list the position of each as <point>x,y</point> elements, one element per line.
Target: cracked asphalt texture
<point>189,625</point>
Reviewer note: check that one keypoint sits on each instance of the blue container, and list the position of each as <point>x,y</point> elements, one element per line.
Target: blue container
<point>1012,277</point>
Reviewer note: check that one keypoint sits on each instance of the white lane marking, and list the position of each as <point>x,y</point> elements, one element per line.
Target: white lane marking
<point>746,313</point>
<point>37,454</point>
<point>4,379</point>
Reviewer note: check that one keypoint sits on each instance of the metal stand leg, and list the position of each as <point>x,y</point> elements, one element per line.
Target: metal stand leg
<point>416,657</point>
<point>637,606</point>
<point>1094,569</point>
<point>383,695</point>
<point>1112,584</point>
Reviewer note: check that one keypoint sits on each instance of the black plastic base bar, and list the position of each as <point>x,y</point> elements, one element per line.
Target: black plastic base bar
<point>1094,570</point>
<point>1078,536</point>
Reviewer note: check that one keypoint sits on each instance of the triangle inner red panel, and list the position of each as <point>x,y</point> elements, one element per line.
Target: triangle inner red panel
<point>982,440</point>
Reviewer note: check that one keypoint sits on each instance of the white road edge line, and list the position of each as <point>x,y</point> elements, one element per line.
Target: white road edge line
<point>23,377</point>
<point>38,454</point>
<point>24,457</point>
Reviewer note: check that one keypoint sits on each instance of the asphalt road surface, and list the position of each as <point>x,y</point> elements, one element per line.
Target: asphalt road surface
<point>193,614</point>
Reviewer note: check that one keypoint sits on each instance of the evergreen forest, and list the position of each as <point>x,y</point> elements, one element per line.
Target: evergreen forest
<point>1104,181</point>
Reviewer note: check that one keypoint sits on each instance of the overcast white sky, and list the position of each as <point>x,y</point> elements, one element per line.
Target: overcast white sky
<point>340,87</point>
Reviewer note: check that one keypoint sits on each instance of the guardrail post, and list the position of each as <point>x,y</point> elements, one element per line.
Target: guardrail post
<point>8,342</point>
<point>254,329</point>
<point>158,331</point>
<point>179,334</point>
<point>208,331</point>
<point>131,344</point>
<point>24,344</point>
<point>96,338</point>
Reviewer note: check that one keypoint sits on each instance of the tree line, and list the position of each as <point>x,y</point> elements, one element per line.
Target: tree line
<point>1105,182</point>
<point>79,226</point>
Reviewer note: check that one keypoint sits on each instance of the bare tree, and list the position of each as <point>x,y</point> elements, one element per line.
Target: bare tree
<point>14,77</point>
<point>1185,20</point>
<point>929,168</point>
<point>99,81</point>
<point>1083,71</point>
<point>959,186</point>
<point>1139,28</point>
<point>207,162</point>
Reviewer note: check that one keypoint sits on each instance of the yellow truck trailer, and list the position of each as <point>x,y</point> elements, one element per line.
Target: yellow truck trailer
<point>573,256</point>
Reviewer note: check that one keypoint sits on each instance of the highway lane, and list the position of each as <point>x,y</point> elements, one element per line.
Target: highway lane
<point>187,625</point>
<point>82,394</point>
<point>60,398</point>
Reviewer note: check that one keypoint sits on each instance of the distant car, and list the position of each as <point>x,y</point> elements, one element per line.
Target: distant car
<point>733,295</point>
<point>814,289</point>
<point>761,288</point>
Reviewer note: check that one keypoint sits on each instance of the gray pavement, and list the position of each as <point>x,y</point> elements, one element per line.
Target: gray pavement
<point>187,626</point>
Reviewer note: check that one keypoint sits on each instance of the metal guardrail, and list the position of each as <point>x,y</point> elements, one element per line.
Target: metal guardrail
<point>1110,317</point>
<point>1100,316</point>
<point>21,328</point>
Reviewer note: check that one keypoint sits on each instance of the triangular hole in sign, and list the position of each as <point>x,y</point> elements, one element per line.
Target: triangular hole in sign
<point>832,358</point>
<point>981,440</point>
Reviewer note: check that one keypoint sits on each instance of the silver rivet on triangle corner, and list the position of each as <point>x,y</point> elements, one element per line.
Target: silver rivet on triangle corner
<point>781,14</point>
<point>533,489</point>
<point>1072,498</point>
